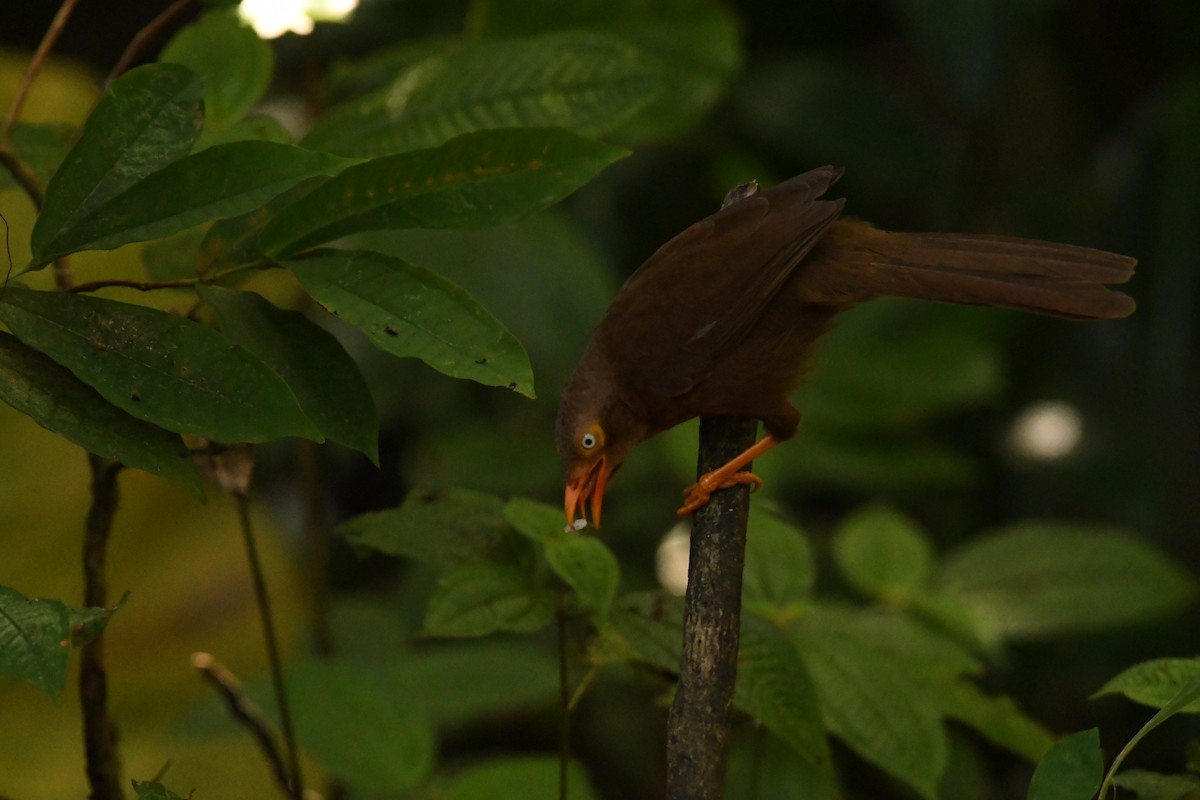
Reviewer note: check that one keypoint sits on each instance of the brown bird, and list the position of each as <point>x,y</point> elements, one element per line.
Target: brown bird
<point>722,318</point>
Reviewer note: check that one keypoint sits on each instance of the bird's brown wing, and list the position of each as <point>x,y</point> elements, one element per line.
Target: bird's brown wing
<point>701,293</point>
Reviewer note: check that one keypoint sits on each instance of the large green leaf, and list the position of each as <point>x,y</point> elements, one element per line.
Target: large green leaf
<point>694,43</point>
<point>780,571</point>
<point>361,725</point>
<point>774,687</point>
<point>411,312</point>
<point>58,401</point>
<point>158,367</point>
<point>1040,579</point>
<point>147,118</point>
<point>331,390</point>
<point>36,639</point>
<point>484,597</point>
<point>566,79</point>
<point>1155,683</point>
<point>997,719</point>
<point>444,528</point>
<point>876,709</point>
<point>584,563</point>
<point>883,554</point>
<point>472,181</point>
<point>1071,770</point>
<point>235,63</point>
<point>651,623</point>
<point>222,181</point>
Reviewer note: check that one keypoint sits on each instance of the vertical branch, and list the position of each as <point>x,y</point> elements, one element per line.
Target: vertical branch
<point>99,733</point>
<point>275,662</point>
<point>35,65</point>
<point>698,724</point>
<point>316,540</point>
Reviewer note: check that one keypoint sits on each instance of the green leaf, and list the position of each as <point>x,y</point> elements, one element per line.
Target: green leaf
<point>774,688</point>
<point>472,181</point>
<point>1040,579</point>
<point>237,241</point>
<point>1186,696</point>
<point>444,528</point>
<point>457,683</point>
<point>235,63</point>
<point>157,366</point>
<point>41,146</point>
<point>779,573</point>
<point>883,554</point>
<point>577,80</point>
<point>331,390</point>
<point>147,118</point>
<point>588,567</point>
<point>36,638</point>
<point>361,725</point>
<point>652,624</point>
<point>153,790</point>
<point>696,45</point>
<point>58,401</point>
<point>1155,786</point>
<point>1155,683</point>
<point>222,181</point>
<point>876,709</point>
<point>519,778</point>
<point>484,597</point>
<point>584,563</point>
<point>997,719</point>
<point>411,312</point>
<point>1071,770</point>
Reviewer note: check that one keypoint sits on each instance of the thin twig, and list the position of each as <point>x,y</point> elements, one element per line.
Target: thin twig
<point>274,661</point>
<point>244,711</point>
<point>21,174</point>
<point>99,732</point>
<point>699,721</point>
<point>146,34</point>
<point>564,695</point>
<point>35,66</point>
<point>141,286</point>
<point>316,536</point>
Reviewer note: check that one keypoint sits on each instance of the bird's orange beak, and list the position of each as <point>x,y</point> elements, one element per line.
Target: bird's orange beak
<point>589,480</point>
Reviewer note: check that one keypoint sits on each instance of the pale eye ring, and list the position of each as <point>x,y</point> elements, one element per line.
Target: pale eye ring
<point>588,441</point>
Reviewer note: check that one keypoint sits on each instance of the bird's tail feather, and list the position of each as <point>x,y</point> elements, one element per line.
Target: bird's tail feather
<point>1058,279</point>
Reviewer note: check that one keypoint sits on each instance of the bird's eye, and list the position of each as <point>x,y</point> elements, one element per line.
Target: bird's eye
<point>588,441</point>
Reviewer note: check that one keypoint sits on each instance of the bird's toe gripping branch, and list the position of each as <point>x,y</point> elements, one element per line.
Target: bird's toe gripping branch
<point>699,492</point>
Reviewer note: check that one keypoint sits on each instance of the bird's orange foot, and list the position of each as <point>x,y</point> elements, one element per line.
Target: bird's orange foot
<point>698,493</point>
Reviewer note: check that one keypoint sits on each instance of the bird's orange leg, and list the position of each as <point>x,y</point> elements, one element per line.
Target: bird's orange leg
<point>730,474</point>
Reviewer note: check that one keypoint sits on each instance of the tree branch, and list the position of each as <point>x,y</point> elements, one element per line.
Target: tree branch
<point>698,724</point>
<point>99,733</point>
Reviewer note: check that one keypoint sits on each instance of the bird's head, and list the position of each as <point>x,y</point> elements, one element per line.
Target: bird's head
<point>593,435</point>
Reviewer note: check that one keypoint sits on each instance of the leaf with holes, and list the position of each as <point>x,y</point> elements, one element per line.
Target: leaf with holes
<point>35,639</point>
<point>326,381</point>
<point>473,181</point>
<point>158,367</point>
<point>413,313</point>
<point>35,385</point>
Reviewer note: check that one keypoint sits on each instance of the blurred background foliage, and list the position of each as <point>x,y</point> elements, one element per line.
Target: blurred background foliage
<point>1056,119</point>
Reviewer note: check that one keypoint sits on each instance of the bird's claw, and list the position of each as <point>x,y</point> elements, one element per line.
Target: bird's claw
<point>699,492</point>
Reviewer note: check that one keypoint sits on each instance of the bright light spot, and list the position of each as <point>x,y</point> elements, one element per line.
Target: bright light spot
<point>1047,430</point>
<point>671,559</point>
<point>273,18</point>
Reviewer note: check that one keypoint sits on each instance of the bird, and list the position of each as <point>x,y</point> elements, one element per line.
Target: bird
<point>723,318</point>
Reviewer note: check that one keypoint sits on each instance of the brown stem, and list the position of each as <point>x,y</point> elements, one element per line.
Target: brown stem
<point>316,536</point>
<point>146,34</point>
<point>141,286</point>
<point>244,711</point>
<point>699,720</point>
<point>275,663</point>
<point>21,174</point>
<point>99,732</point>
<point>35,66</point>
